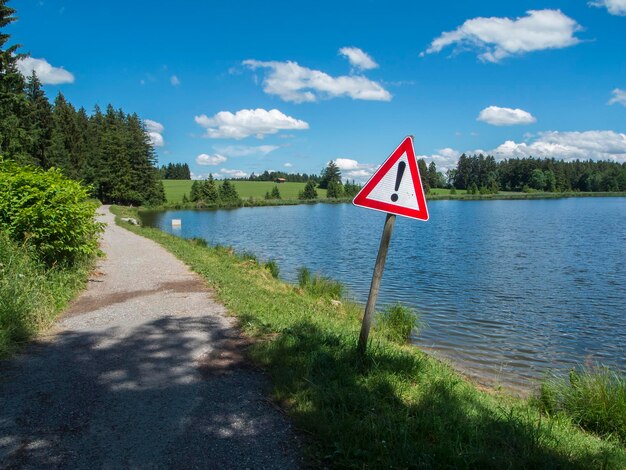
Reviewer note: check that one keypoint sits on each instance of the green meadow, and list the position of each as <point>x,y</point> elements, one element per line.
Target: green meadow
<point>175,189</point>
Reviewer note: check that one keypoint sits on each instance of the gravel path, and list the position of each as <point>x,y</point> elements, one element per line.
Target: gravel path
<point>143,371</point>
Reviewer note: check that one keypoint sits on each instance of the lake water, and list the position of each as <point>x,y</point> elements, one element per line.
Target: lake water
<point>508,289</point>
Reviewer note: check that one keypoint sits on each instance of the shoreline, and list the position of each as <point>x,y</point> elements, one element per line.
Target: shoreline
<point>251,202</point>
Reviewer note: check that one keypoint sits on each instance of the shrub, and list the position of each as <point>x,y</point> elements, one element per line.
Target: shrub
<point>595,399</point>
<point>49,211</point>
<point>396,323</point>
<point>272,267</point>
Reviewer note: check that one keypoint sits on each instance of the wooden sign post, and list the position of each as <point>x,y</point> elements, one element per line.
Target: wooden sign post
<point>388,190</point>
<point>379,267</point>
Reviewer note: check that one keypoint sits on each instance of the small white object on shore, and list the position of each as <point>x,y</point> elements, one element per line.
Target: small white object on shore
<point>176,223</point>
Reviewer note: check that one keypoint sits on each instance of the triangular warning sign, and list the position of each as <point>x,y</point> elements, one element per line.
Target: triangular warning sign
<point>396,187</point>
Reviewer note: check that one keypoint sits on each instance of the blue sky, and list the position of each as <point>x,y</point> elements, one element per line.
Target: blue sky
<point>242,86</point>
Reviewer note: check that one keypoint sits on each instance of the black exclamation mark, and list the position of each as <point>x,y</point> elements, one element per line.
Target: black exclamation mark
<point>401,167</point>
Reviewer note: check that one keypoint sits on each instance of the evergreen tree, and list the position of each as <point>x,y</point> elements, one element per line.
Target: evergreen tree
<point>15,141</point>
<point>195,194</point>
<point>433,181</point>
<point>421,164</point>
<point>62,151</point>
<point>351,189</point>
<point>275,194</point>
<point>209,192</point>
<point>39,121</point>
<point>335,189</point>
<point>308,192</point>
<point>330,173</point>
<point>228,193</point>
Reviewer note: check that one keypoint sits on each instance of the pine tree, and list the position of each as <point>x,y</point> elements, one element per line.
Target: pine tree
<point>335,189</point>
<point>421,163</point>
<point>228,193</point>
<point>209,192</point>
<point>62,152</point>
<point>15,141</point>
<point>330,173</point>
<point>39,120</point>
<point>308,192</point>
<point>432,175</point>
<point>194,194</point>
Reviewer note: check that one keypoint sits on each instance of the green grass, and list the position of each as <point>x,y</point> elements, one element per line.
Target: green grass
<point>595,399</point>
<point>397,322</point>
<point>319,286</point>
<point>398,408</point>
<point>32,295</point>
<point>175,189</point>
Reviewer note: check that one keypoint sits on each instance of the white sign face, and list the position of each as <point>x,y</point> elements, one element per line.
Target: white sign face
<point>396,187</point>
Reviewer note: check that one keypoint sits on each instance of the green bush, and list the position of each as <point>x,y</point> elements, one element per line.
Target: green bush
<point>595,399</point>
<point>396,323</point>
<point>49,211</point>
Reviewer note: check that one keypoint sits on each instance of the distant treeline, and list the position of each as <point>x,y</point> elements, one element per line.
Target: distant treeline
<point>527,174</point>
<point>290,177</point>
<point>109,151</point>
<point>175,171</point>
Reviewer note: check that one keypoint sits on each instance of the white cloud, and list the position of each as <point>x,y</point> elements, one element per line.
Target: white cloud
<point>156,139</point>
<point>497,116</point>
<point>497,38</point>
<point>358,59</point>
<point>204,159</point>
<point>245,151</point>
<point>174,80</point>
<point>154,130</point>
<point>619,97</point>
<point>615,7</point>
<point>346,164</point>
<point>288,165</point>
<point>153,126</point>
<point>445,158</point>
<point>353,169</point>
<point>233,173</point>
<point>292,82</point>
<point>48,75</point>
<point>595,145</point>
<point>359,174</point>
<point>247,122</point>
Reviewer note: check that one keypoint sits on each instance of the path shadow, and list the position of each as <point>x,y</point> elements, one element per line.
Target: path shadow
<point>151,399</point>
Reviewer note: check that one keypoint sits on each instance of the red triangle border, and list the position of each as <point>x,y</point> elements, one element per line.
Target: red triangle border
<point>362,200</point>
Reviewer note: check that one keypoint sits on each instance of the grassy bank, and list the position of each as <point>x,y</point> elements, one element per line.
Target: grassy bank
<point>252,194</point>
<point>397,409</point>
<point>175,189</point>
<point>32,295</point>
